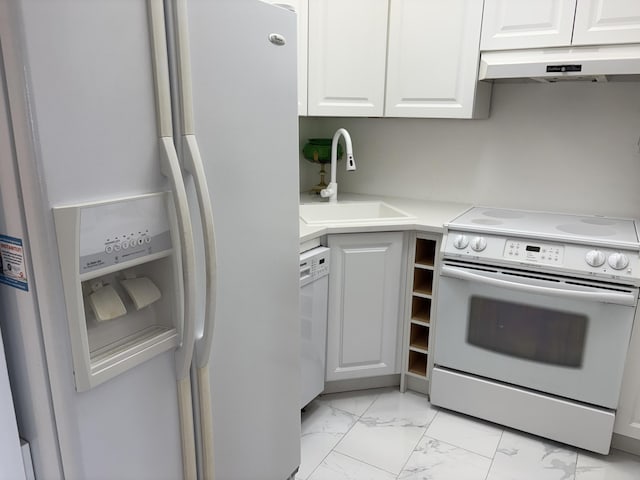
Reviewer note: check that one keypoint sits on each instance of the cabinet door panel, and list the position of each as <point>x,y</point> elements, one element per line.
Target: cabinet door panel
<point>364,301</point>
<point>601,22</point>
<point>363,305</point>
<point>347,50</point>
<point>432,66</point>
<point>511,24</point>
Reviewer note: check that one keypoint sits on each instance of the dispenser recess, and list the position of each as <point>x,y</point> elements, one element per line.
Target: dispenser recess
<point>122,279</point>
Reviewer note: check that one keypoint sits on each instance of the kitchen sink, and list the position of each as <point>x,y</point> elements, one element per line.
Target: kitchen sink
<point>323,213</point>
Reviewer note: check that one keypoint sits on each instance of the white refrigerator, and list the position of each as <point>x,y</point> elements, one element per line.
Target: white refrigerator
<point>12,466</point>
<point>149,236</point>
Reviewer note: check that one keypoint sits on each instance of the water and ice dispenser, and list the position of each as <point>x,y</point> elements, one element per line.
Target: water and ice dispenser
<point>122,279</point>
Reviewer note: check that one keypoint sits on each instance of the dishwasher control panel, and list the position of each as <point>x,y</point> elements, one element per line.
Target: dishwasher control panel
<point>314,264</point>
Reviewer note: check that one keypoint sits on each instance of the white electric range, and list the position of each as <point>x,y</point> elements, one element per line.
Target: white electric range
<point>534,314</point>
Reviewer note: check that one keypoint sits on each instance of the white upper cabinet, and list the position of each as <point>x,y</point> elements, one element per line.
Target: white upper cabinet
<point>432,65</point>
<point>607,22</point>
<point>396,58</point>
<point>513,24</point>
<point>347,50</point>
<point>301,8</point>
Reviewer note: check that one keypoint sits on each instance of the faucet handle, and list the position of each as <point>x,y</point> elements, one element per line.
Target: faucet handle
<point>331,191</point>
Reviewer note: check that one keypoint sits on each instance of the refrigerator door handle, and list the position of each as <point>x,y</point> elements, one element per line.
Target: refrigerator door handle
<point>193,164</point>
<point>170,167</point>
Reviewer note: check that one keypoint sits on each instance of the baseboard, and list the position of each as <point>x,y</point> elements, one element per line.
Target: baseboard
<point>419,385</point>
<point>626,444</point>
<point>338,386</point>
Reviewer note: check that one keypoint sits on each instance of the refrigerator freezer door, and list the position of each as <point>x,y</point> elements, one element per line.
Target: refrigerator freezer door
<point>29,375</point>
<point>245,113</point>
<point>11,465</point>
<point>92,130</point>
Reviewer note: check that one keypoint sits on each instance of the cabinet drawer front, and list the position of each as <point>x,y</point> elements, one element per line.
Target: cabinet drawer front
<point>511,24</point>
<point>601,22</point>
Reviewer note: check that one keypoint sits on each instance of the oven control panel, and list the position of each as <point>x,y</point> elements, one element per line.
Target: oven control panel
<point>567,258</point>
<point>545,253</point>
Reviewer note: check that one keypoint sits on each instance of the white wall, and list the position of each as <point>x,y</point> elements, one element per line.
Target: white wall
<point>565,147</point>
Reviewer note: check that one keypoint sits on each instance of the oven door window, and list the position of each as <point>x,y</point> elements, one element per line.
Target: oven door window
<point>527,331</point>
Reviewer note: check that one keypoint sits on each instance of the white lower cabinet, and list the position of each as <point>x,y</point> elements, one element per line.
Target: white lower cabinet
<point>364,305</point>
<point>628,414</point>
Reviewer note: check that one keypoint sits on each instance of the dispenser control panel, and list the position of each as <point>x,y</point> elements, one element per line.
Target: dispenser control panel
<point>116,232</point>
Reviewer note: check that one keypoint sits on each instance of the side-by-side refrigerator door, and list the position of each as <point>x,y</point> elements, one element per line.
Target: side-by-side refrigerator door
<point>110,236</point>
<point>237,124</point>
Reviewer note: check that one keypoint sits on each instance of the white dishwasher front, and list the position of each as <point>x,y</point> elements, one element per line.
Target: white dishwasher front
<point>314,294</point>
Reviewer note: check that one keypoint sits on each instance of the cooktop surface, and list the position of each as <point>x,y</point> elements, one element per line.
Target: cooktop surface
<point>545,225</point>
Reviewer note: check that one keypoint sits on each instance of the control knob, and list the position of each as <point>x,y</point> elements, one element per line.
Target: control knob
<point>595,258</point>
<point>460,242</point>
<point>478,244</point>
<point>618,261</point>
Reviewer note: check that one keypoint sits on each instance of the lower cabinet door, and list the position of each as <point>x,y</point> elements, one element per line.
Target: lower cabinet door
<point>364,303</point>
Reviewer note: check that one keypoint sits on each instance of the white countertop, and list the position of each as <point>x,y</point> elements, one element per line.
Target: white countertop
<point>427,216</point>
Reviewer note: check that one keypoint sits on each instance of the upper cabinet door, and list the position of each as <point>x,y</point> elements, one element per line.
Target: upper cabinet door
<point>301,7</point>
<point>432,65</point>
<point>347,50</point>
<point>601,22</point>
<point>511,24</point>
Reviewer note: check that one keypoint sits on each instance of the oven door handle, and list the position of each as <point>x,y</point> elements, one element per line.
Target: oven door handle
<point>627,299</point>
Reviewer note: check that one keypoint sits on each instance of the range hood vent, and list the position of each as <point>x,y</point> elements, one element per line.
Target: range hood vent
<point>549,65</point>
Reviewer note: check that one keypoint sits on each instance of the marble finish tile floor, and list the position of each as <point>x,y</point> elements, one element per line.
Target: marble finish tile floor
<point>383,434</point>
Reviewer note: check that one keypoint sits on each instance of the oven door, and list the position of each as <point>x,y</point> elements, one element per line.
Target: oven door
<point>557,335</point>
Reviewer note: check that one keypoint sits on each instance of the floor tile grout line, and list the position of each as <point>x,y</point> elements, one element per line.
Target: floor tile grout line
<point>363,462</point>
<point>417,443</point>
<point>351,413</point>
<point>340,436</point>
<point>575,468</point>
<point>494,455</point>
<point>462,448</point>
<point>333,449</point>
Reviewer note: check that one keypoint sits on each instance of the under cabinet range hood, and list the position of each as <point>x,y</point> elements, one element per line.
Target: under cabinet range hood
<point>599,63</point>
